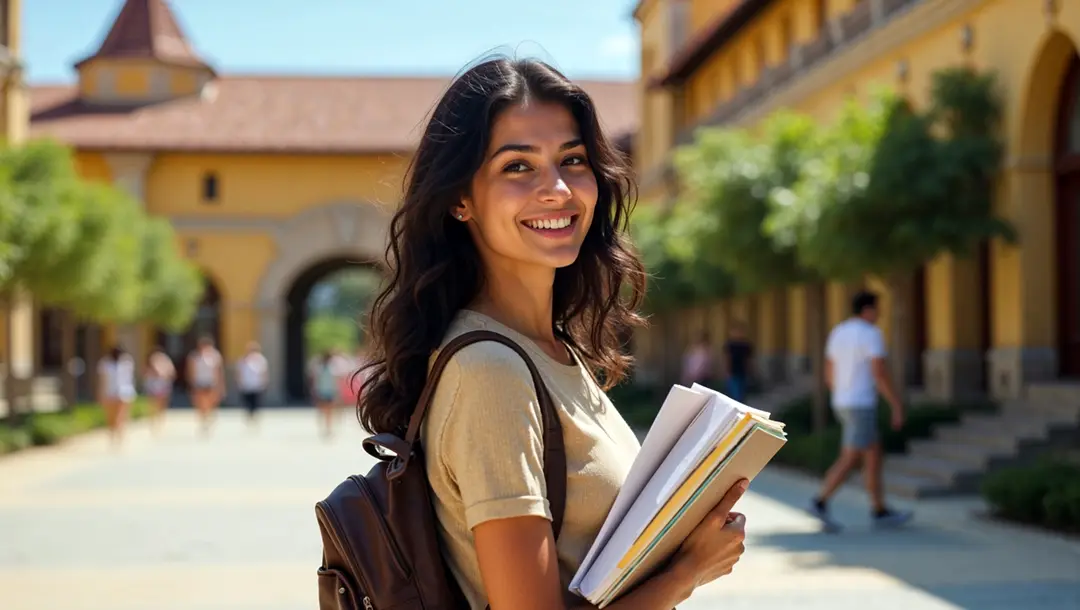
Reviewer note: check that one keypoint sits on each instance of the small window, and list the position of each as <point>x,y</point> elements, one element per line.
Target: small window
<point>210,188</point>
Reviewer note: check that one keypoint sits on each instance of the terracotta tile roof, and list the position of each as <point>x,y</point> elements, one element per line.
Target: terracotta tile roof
<point>280,114</point>
<point>698,49</point>
<point>147,29</point>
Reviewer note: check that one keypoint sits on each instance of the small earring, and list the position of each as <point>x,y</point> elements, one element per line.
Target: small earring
<point>460,216</point>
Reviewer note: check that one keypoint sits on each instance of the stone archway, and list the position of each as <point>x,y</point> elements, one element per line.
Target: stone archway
<point>1067,219</point>
<point>1027,316</point>
<point>297,354</point>
<point>343,231</point>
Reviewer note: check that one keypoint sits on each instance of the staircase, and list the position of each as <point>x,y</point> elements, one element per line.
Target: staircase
<point>955,459</point>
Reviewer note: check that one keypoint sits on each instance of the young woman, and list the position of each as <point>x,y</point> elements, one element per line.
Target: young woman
<point>324,389</point>
<point>116,390</point>
<point>206,380</point>
<point>514,220</point>
<point>158,384</point>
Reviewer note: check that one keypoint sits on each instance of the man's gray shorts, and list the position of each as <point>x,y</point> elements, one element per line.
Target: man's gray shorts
<point>860,427</point>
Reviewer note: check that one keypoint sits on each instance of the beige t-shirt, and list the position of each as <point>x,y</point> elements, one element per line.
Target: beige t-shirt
<point>483,440</point>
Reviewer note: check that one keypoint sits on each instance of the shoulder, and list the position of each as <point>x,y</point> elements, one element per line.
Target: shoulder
<point>487,363</point>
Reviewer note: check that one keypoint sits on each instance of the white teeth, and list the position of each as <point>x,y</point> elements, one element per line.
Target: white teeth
<point>553,223</point>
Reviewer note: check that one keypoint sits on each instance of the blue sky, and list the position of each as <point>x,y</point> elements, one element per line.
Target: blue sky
<point>584,38</point>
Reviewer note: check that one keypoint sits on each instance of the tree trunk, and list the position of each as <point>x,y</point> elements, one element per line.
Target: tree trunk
<point>900,290</point>
<point>815,345</point>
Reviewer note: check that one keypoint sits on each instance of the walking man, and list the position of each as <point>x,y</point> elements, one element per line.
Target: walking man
<point>856,372</point>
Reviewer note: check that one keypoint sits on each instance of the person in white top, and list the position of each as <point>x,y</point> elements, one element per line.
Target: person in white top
<point>252,377</point>
<point>158,384</point>
<point>855,372</point>
<point>206,380</point>
<point>116,389</point>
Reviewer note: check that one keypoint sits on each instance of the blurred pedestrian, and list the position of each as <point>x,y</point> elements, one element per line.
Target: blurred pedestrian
<point>856,372</point>
<point>158,384</point>
<point>206,381</point>
<point>738,361</point>
<point>116,390</point>
<point>252,379</point>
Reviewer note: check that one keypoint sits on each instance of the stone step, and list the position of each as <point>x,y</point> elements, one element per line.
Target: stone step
<point>1062,392</point>
<point>940,470</point>
<point>1024,426</point>
<point>973,457</point>
<point>912,486</point>
<point>997,439</point>
<point>1062,412</point>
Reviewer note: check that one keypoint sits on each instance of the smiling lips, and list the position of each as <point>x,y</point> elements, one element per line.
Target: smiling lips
<point>560,226</point>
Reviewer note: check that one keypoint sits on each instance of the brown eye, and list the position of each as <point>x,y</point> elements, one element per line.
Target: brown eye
<point>516,167</point>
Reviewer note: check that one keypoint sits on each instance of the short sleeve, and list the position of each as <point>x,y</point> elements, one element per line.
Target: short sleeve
<point>875,343</point>
<point>830,346</point>
<point>491,441</point>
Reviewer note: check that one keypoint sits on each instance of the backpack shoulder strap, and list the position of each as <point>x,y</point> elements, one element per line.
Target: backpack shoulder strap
<point>554,451</point>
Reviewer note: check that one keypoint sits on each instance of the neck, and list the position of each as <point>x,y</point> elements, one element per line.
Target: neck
<point>520,299</point>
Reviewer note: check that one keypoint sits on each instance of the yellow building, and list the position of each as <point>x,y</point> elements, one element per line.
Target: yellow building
<point>272,182</point>
<point>999,322</point>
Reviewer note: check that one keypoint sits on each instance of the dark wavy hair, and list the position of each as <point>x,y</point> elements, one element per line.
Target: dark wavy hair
<point>435,269</point>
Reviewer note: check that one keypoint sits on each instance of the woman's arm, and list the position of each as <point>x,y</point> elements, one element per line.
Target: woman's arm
<point>520,570</point>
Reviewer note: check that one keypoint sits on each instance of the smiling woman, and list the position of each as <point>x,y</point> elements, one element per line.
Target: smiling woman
<point>514,221</point>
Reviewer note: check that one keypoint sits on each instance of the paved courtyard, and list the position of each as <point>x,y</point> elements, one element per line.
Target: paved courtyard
<point>228,522</point>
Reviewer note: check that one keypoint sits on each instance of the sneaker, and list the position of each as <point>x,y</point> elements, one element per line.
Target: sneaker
<point>820,511</point>
<point>891,518</point>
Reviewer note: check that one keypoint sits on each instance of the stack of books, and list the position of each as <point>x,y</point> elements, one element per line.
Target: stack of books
<point>700,444</point>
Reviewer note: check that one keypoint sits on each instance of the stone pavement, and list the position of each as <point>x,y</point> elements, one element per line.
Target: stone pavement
<point>228,523</point>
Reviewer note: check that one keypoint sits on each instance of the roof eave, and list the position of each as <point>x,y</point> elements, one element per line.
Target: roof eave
<point>719,32</point>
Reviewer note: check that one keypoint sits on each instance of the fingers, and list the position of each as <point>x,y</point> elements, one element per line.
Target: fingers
<point>731,497</point>
<point>735,521</point>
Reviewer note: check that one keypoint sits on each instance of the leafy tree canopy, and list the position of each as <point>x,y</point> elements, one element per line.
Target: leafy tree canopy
<point>728,177</point>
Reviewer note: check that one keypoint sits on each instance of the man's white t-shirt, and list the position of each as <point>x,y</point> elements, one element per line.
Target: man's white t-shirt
<point>851,346</point>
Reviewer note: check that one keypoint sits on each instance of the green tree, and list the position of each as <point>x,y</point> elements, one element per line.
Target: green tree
<point>887,193</point>
<point>728,176</point>
<point>677,278</point>
<point>170,285</point>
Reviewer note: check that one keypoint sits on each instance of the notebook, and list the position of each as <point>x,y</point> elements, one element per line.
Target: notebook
<point>700,444</point>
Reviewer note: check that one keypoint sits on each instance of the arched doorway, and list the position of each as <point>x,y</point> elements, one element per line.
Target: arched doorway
<point>324,306</point>
<point>1067,169</point>
<point>207,321</point>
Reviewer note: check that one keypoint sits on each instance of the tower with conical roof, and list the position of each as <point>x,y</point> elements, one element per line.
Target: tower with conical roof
<point>145,58</point>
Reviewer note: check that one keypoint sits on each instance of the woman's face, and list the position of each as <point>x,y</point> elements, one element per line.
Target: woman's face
<point>532,200</point>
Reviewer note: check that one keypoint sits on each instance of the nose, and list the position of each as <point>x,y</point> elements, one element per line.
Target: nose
<point>554,189</point>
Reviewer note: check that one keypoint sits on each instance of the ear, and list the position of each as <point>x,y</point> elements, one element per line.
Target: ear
<point>461,211</point>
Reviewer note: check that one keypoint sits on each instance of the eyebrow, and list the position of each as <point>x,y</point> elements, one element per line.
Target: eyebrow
<point>528,148</point>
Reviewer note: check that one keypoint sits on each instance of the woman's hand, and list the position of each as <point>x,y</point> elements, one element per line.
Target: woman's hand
<point>715,546</point>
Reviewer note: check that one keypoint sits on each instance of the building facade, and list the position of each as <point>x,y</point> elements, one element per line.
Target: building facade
<point>994,323</point>
<point>272,182</point>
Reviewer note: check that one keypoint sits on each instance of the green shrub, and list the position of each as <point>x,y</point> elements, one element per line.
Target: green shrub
<point>13,439</point>
<point>1034,494</point>
<point>1062,506</point>
<point>52,428</point>
<point>812,453</point>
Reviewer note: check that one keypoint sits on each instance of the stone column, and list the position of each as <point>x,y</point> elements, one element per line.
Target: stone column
<point>129,172</point>
<point>1024,311</point>
<point>271,318</point>
<point>771,336</point>
<point>798,360</point>
<point>953,361</point>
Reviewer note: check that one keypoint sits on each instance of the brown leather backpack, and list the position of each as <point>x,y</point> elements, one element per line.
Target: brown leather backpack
<point>380,542</point>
